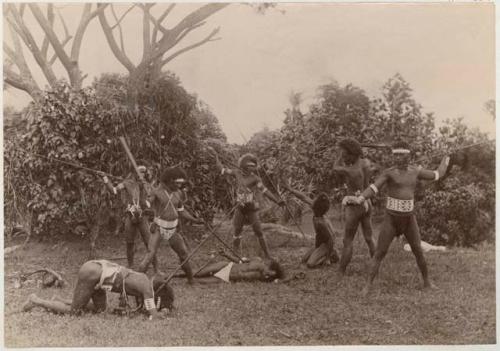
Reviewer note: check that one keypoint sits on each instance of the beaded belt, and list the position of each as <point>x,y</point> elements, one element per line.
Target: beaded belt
<point>167,228</point>
<point>399,205</point>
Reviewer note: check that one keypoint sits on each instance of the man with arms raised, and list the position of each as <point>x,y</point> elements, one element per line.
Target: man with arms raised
<point>401,181</point>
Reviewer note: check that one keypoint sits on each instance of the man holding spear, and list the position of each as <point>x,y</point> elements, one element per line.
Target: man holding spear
<point>167,204</point>
<point>400,181</point>
<point>249,190</point>
<point>135,221</point>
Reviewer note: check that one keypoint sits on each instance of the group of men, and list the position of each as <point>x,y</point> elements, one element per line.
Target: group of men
<point>164,202</point>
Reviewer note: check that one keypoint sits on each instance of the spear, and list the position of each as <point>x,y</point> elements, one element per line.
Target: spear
<point>73,165</point>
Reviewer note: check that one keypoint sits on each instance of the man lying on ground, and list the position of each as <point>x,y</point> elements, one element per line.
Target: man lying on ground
<point>232,270</point>
<point>95,278</point>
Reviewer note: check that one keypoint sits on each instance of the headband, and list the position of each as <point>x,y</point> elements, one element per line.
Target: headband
<point>400,151</point>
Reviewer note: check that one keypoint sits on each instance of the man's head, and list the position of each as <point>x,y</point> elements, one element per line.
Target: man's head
<point>248,163</point>
<point>351,150</point>
<point>401,154</point>
<point>321,205</point>
<point>174,177</point>
<point>165,294</point>
<point>143,171</point>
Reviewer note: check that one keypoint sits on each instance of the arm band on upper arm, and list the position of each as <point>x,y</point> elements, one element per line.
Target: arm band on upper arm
<point>436,175</point>
<point>115,191</point>
<point>374,188</point>
<point>180,209</point>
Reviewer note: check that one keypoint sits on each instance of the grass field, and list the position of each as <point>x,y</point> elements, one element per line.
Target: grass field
<point>318,309</point>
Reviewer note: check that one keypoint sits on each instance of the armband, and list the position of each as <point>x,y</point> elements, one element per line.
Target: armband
<point>223,171</point>
<point>105,179</point>
<point>374,188</point>
<point>436,175</point>
<point>115,191</point>
<point>148,204</point>
<point>180,209</point>
<point>149,304</point>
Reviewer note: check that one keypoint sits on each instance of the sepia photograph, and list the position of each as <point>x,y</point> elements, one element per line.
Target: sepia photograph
<point>215,174</point>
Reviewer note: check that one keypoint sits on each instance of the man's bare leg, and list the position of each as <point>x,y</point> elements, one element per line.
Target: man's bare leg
<point>177,244</point>
<point>257,229</point>
<point>413,237</point>
<point>351,227</point>
<point>130,232</point>
<point>308,254</point>
<point>145,234</point>
<point>53,306</point>
<point>366,226</point>
<point>237,230</point>
<point>318,256</point>
<point>61,299</point>
<point>387,233</point>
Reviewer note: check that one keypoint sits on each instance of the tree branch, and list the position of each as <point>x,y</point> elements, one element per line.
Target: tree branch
<point>87,16</point>
<point>122,16</point>
<point>50,17</point>
<point>194,18</point>
<point>158,23</point>
<point>54,41</point>
<point>19,82</point>
<point>18,25</point>
<point>187,31</point>
<point>146,32</point>
<point>190,47</point>
<point>120,55</point>
<point>54,57</point>
<point>120,31</point>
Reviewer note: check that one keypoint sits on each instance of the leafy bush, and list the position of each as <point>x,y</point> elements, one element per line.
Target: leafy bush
<point>457,216</point>
<point>162,127</point>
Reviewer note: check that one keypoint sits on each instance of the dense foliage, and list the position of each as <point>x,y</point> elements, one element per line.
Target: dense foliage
<point>165,126</point>
<point>304,151</point>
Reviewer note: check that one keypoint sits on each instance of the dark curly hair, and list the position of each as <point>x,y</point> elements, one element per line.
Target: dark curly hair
<point>351,146</point>
<point>320,205</point>
<point>172,173</point>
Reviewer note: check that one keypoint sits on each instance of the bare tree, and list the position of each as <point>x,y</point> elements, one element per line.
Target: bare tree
<point>160,45</point>
<point>14,15</point>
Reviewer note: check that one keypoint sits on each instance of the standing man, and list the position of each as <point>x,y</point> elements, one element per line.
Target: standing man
<point>357,171</point>
<point>133,196</point>
<point>249,192</point>
<point>167,203</point>
<point>400,181</point>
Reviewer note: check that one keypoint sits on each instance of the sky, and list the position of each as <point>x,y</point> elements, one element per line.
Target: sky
<point>446,51</point>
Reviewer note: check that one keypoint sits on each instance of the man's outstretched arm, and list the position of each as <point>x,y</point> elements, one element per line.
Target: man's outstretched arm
<point>426,174</point>
<point>299,195</point>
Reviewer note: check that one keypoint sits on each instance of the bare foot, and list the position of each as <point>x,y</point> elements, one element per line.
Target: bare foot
<point>28,305</point>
